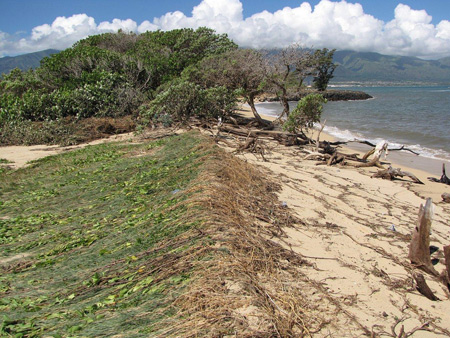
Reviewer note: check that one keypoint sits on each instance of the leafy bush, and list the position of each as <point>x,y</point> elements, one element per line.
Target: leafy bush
<point>308,111</point>
<point>112,75</point>
<point>182,100</point>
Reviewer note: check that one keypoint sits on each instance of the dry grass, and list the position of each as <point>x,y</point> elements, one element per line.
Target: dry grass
<point>251,286</point>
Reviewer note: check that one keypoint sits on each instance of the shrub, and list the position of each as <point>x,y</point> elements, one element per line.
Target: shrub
<point>181,100</point>
<point>308,111</point>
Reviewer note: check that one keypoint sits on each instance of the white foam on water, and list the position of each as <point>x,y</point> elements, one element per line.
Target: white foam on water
<point>347,135</point>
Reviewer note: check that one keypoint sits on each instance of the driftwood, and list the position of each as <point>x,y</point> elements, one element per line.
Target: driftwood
<point>284,138</point>
<point>444,179</point>
<point>377,152</point>
<point>392,149</point>
<point>423,287</point>
<point>390,173</point>
<point>446,197</point>
<point>318,135</point>
<point>419,248</point>
<point>445,275</point>
<point>252,145</point>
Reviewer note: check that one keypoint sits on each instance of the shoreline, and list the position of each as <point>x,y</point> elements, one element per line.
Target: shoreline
<point>421,167</point>
<point>431,165</point>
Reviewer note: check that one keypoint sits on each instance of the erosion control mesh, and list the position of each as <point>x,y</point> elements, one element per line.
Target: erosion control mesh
<point>168,238</point>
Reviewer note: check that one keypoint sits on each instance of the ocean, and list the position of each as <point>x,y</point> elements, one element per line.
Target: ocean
<point>416,117</point>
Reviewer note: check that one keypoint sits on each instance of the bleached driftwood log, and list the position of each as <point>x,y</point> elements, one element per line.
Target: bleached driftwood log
<point>322,125</point>
<point>380,149</point>
<point>419,248</point>
<point>390,173</point>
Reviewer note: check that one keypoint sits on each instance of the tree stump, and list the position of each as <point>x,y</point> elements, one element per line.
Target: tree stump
<point>419,248</point>
<point>445,275</point>
<point>444,179</point>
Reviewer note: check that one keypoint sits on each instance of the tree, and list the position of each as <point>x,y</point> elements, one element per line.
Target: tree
<point>285,69</point>
<point>241,70</point>
<point>325,68</point>
<point>308,111</point>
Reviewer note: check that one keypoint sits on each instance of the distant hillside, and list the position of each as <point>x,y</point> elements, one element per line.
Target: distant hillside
<point>373,67</point>
<point>25,61</point>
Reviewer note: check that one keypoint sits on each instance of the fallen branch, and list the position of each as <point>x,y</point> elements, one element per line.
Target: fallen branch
<point>315,155</point>
<point>405,149</point>
<point>284,138</point>
<point>392,149</point>
<point>423,287</point>
<point>444,179</point>
<point>390,173</point>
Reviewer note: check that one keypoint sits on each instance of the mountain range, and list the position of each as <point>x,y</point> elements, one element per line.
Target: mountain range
<point>374,67</point>
<point>25,61</point>
<point>352,67</point>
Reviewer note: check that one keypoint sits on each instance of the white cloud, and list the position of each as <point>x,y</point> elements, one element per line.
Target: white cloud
<point>331,24</point>
<point>125,25</point>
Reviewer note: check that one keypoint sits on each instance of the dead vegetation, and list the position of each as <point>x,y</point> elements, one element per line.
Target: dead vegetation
<point>253,287</point>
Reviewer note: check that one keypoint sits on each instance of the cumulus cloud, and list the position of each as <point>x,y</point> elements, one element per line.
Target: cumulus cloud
<point>331,24</point>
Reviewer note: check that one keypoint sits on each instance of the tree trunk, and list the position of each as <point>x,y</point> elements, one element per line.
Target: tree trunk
<point>285,103</point>
<point>251,103</point>
<point>419,248</point>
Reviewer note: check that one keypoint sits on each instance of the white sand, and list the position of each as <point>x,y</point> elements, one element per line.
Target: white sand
<point>359,261</point>
<point>21,156</point>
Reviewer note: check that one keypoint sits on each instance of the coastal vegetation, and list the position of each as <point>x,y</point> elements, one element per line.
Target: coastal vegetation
<point>145,239</point>
<point>111,83</point>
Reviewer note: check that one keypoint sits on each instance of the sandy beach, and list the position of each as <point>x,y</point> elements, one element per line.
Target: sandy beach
<point>355,232</point>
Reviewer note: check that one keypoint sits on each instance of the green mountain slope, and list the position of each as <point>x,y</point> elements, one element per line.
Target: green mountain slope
<point>25,61</point>
<point>364,67</point>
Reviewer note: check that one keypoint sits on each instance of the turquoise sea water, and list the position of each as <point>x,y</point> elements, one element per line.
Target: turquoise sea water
<point>417,117</point>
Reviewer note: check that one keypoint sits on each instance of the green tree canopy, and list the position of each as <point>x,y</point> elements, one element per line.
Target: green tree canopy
<point>325,68</point>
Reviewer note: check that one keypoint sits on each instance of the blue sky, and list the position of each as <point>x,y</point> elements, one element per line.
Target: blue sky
<point>23,15</point>
<point>409,27</point>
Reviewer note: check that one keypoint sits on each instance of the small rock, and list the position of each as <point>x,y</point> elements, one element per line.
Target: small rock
<point>446,197</point>
<point>284,204</point>
<point>385,314</point>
